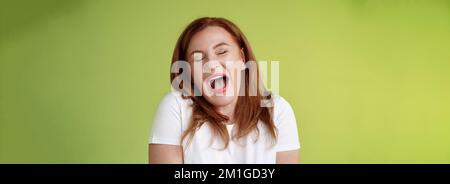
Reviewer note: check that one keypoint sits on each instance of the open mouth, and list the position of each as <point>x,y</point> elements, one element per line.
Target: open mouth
<point>219,83</point>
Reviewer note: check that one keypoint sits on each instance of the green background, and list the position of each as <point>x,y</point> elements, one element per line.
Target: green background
<point>368,80</point>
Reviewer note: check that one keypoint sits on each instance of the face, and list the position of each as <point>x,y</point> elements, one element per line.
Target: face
<point>216,60</point>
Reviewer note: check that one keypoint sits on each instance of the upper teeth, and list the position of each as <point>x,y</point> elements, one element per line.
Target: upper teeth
<point>217,82</point>
<point>216,77</point>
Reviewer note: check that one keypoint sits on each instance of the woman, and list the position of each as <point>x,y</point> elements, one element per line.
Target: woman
<point>222,115</point>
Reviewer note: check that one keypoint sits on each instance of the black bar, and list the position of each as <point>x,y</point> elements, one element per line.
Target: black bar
<point>235,173</point>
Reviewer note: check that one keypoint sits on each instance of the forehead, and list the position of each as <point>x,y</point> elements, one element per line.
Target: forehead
<point>209,37</point>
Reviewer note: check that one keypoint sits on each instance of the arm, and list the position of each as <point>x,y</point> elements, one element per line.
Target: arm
<point>165,154</point>
<point>164,143</point>
<point>288,157</point>
<point>288,140</point>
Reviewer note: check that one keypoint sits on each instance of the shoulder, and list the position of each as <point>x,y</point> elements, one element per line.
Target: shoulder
<point>174,98</point>
<point>168,120</point>
<point>284,119</point>
<point>173,103</point>
<point>281,109</point>
<point>280,103</point>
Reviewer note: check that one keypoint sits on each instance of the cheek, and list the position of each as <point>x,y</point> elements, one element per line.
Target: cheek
<point>234,56</point>
<point>237,74</point>
<point>236,65</point>
<point>197,77</point>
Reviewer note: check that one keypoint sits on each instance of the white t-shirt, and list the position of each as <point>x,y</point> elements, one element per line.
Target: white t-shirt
<point>174,115</point>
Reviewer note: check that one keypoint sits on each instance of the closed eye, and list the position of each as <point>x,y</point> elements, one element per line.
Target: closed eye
<point>222,52</point>
<point>198,56</point>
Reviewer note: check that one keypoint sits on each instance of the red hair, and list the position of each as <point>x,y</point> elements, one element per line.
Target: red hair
<point>248,110</point>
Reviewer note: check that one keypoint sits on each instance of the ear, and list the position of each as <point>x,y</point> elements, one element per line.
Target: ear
<point>242,54</point>
<point>243,58</point>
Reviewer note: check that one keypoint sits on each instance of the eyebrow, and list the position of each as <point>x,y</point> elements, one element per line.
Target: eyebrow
<point>220,44</point>
<point>215,46</point>
<point>193,52</point>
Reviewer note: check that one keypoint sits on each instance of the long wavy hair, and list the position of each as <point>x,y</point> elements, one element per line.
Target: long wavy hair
<point>248,110</point>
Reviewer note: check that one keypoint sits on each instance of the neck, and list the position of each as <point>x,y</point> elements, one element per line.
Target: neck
<point>228,110</point>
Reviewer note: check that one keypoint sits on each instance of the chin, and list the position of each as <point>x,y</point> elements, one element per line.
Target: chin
<point>219,101</point>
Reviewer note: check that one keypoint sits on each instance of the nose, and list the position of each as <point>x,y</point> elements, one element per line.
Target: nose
<point>214,64</point>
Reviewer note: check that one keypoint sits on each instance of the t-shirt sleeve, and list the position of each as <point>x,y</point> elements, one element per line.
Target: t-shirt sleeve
<point>166,128</point>
<point>286,123</point>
